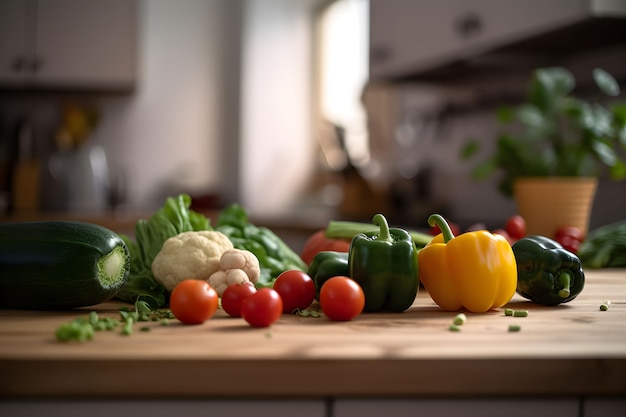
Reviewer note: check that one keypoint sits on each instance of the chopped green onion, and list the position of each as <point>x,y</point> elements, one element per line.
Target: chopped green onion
<point>128,327</point>
<point>93,318</point>
<point>454,328</point>
<point>460,319</point>
<point>604,307</point>
<point>520,313</point>
<point>515,327</point>
<point>508,311</point>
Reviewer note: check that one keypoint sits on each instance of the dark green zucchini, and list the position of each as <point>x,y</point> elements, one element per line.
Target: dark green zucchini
<point>55,265</point>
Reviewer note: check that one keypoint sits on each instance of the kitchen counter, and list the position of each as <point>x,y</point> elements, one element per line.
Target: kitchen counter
<point>569,350</point>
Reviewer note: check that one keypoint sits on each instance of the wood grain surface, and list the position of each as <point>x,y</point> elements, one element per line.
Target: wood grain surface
<point>571,349</point>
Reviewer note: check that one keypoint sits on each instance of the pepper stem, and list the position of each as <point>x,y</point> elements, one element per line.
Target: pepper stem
<point>564,280</point>
<point>380,221</point>
<point>438,220</point>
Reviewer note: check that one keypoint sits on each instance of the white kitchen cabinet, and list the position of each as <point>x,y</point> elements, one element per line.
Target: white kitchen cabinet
<point>408,36</point>
<point>68,43</point>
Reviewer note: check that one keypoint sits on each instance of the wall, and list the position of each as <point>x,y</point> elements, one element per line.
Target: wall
<point>276,138</point>
<point>169,135</point>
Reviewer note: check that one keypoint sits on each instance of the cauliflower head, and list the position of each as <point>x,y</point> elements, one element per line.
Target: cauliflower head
<point>189,255</point>
<point>237,266</point>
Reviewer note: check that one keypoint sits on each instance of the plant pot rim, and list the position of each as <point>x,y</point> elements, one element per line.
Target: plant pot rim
<point>590,179</point>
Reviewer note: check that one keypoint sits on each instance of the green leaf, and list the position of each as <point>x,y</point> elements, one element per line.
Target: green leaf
<point>233,215</point>
<point>531,116</point>
<point>548,85</point>
<point>586,117</point>
<point>559,81</point>
<point>600,122</point>
<point>619,113</point>
<point>618,171</point>
<point>621,136</point>
<point>606,83</point>
<point>484,169</point>
<point>605,153</point>
<point>174,217</point>
<point>470,149</point>
<point>505,114</point>
<point>574,107</point>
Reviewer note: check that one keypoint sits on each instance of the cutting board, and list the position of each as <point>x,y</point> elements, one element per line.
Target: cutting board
<point>573,348</point>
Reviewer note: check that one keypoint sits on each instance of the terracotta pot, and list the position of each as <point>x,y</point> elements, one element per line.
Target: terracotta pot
<point>551,202</point>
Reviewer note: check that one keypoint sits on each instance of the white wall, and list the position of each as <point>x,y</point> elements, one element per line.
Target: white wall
<point>176,133</point>
<point>276,136</point>
<point>166,136</point>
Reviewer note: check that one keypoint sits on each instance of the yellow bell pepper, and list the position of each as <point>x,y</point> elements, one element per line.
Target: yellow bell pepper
<point>475,270</point>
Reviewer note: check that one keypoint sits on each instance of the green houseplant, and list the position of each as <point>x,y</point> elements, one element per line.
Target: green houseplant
<point>557,136</point>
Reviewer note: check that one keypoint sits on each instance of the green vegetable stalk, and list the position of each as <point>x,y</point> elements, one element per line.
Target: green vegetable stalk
<point>340,229</point>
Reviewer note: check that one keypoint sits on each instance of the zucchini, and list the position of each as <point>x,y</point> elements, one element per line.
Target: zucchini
<point>59,265</point>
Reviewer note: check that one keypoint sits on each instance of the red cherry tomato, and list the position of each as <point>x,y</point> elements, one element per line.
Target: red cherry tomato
<point>296,289</point>
<point>233,298</point>
<point>262,308</point>
<point>571,231</point>
<point>570,237</point>
<point>569,244</point>
<point>516,227</point>
<point>193,301</point>
<point>318,242</point>
<point>341,299</point>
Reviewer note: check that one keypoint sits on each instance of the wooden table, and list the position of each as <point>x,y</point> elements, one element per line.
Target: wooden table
<point>572,350</point>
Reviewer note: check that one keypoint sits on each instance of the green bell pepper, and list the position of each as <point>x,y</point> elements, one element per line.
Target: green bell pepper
<point>385,265</point>
<point>547,274</point>
<point>325,265</point>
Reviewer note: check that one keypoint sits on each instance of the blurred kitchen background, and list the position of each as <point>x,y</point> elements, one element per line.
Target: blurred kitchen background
<point>300,110</point>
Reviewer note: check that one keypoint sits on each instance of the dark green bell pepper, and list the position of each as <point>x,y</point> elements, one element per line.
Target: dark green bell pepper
<point>384,264</point>
<point>547,274</point>
<point>325,265</point>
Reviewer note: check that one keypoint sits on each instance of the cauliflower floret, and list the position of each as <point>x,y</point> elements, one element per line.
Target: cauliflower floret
<point>220,280</point>
<point>237,266</point>
<point>241,259</point>
<point>189,255</point>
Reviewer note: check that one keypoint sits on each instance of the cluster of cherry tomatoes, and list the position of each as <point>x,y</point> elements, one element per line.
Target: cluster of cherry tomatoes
<point>195,301</point>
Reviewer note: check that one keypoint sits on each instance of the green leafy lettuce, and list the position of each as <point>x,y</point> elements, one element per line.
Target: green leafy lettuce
<point>173,218</point>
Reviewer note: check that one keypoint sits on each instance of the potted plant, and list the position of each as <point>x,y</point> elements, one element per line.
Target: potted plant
<point>557,145</point>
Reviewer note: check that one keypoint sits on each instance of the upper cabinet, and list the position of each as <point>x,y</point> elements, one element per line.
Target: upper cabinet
<point>70,44</point>
<point>410,37</point>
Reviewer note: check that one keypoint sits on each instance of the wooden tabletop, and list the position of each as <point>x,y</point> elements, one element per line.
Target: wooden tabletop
<point>572,349</point>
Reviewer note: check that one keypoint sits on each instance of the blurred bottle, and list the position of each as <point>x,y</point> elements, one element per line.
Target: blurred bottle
<point>26,170</point>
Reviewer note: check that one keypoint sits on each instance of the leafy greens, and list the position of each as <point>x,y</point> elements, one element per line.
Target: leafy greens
<point>173,218</point>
